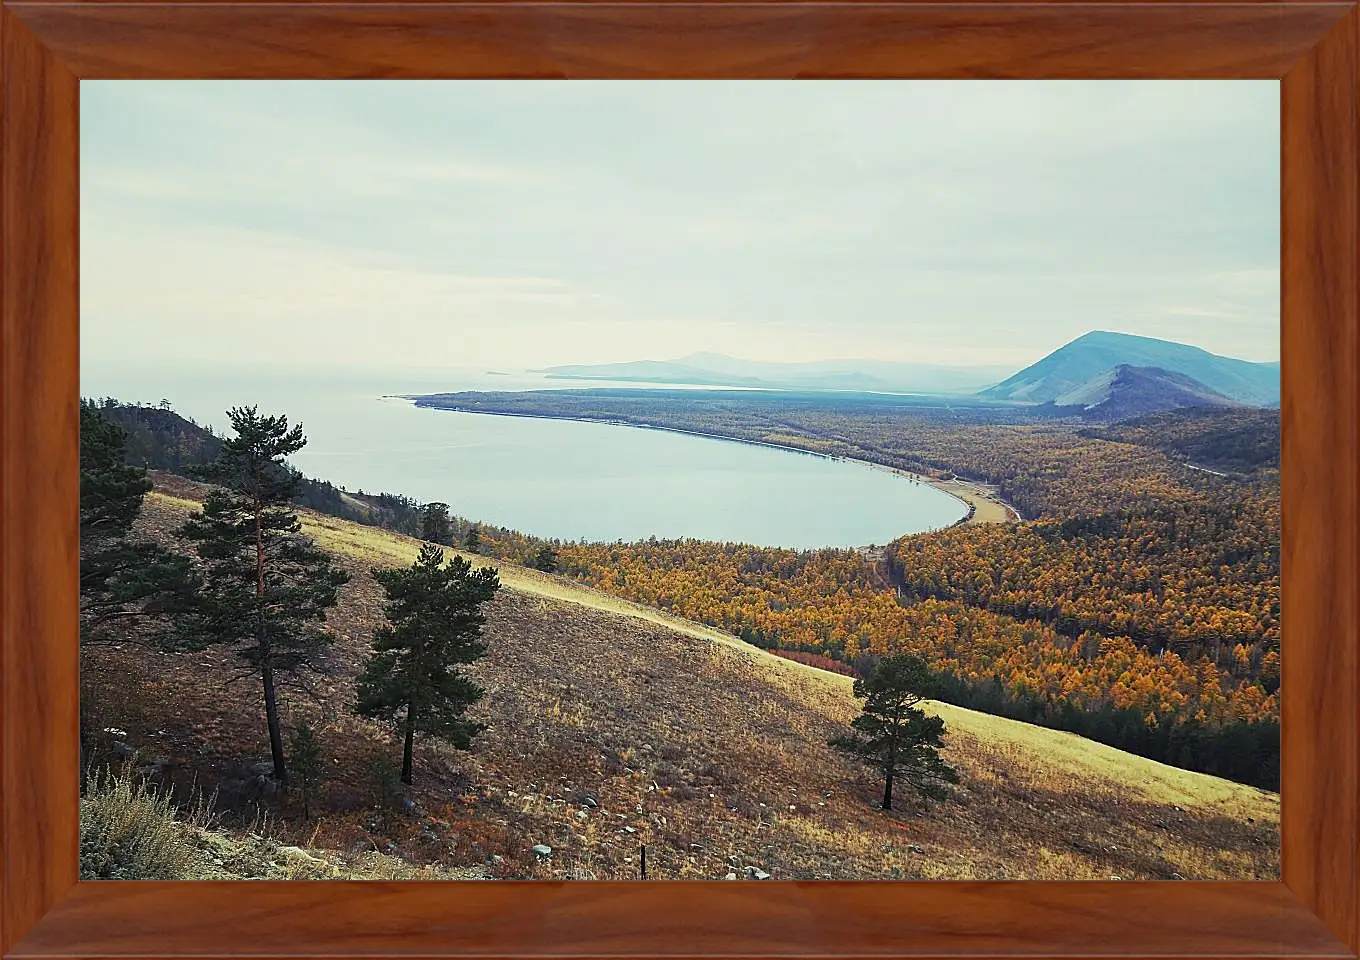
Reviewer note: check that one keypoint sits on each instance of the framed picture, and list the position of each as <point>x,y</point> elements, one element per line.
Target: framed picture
<point>1206,623</point>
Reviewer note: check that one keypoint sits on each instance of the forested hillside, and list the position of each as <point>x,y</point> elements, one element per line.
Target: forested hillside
<point>611,727</point>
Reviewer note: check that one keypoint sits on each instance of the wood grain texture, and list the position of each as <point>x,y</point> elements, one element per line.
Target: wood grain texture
<point>754,40</point>
<point>38,479</point>
<point>679,919</point>
<point>1320,410</point>
<point>43,47</point>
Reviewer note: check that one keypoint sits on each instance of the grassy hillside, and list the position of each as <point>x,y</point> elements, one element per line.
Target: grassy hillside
<point>613,725</point>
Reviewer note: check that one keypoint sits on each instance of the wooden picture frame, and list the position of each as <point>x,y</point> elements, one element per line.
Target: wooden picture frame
<point>46,48</point>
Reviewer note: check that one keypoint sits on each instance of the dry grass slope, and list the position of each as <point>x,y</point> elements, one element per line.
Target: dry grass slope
<point>614,725</point>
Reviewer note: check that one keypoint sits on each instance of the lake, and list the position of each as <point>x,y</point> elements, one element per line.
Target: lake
<point>553,478</point>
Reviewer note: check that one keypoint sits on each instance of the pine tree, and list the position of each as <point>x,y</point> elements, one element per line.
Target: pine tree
<point>545,559</point>
<point>435,525</point>
<point>309,764</point>
<point>895,737</point>
<point>267,588</point>
<point>472,541</point>
<point>435,620</point>
<point>123,580</point>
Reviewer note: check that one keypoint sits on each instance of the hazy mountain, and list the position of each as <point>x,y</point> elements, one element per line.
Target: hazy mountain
<point>886,376</point>
<point>1071,367</point>
<point>1128,391</point>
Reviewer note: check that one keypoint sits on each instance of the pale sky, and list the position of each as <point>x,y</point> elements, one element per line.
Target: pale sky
<point>527,223</point>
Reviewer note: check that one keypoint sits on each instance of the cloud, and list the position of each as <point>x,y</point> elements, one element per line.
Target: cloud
<point>574,222</point>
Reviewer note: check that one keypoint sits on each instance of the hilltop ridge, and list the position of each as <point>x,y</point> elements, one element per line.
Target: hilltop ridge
<point>1096,353</point>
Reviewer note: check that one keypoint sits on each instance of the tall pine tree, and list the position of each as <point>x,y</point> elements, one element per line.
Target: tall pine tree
<point>267,588</point>
<point>435,621</point>
<point>893,735</point>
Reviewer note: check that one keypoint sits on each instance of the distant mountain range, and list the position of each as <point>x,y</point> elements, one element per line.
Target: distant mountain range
<point>1101,376</point>
<point>1067,371</point>
<point>715,369</point>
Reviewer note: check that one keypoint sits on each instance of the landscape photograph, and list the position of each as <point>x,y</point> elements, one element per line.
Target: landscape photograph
<point>680,480</point>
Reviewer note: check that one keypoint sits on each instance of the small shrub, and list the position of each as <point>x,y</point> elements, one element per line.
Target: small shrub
<point>129,831</point>
<point>386,778</point>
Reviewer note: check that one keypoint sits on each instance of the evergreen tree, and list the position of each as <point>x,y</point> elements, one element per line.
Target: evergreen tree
<point>309,764</point>
<point>267,588</point>
<point>472,540</point>
<point>895,737</point>
<point>435,620</point>
<point>435,525</point>
<point>545,559</point>
<point>123,580</point>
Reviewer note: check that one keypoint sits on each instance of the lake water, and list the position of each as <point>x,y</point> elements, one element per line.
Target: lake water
<point>552,478</point>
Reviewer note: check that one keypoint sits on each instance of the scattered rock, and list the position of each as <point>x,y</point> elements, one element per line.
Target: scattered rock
<point>755,873</point>
<point>630,829</point>
<point>582,815</point>
<point>734,860</point>
<point>297,853</point>
<point>730,876</point>
<point>542,850</point>
<point>916,848</point>
<point>589,801</point>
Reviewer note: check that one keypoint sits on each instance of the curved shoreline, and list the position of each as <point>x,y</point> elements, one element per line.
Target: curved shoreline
<point>983,507</point>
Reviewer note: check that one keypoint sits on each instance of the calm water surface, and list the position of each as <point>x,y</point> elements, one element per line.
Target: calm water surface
<point>552,478</point>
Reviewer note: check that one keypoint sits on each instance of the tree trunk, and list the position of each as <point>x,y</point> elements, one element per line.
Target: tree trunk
<point>271,712</point>
<point>887,789</point>
<point>410,742</point>
<point>271,705</point>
